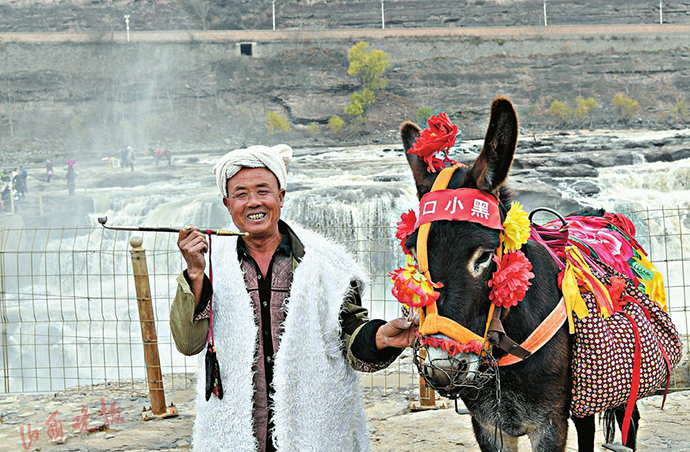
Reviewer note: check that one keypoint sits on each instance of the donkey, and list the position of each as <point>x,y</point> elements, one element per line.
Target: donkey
<point>535,393</point>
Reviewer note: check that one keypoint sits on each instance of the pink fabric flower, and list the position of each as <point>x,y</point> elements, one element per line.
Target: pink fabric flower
<point>511,279</point>
<point>610,246</point>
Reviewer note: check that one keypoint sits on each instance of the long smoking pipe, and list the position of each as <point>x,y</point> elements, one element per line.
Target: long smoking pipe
<point>104,220</point>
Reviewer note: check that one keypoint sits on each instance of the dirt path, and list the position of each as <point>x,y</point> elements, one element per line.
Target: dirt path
<point>344,34</point>
<point>396,429</point>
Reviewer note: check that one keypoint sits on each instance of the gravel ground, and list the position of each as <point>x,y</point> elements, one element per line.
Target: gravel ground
<point>394,427</point>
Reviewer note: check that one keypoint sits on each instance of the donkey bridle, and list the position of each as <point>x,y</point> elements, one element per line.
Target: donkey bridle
<point>495,334</point>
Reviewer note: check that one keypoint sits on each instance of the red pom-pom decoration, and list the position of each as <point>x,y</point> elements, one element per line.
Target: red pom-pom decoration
<point>451,346</point>
<point>511,279</point>
<point>413,288</point>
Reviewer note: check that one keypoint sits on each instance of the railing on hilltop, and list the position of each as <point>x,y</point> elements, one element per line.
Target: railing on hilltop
<point>68,305</point>
<point>145,16</point>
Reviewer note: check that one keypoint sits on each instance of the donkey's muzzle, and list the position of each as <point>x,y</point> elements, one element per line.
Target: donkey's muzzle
<point>450,375</point>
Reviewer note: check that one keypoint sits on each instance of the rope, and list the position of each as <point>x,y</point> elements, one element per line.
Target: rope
<point>209,338</point>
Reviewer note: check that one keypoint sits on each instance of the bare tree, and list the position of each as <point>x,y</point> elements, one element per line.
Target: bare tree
<point>200,8</point>
<point>8,97</point>
<point>201,85</point>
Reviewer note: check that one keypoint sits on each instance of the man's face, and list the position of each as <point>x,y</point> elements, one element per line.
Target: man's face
<point>254,201</point>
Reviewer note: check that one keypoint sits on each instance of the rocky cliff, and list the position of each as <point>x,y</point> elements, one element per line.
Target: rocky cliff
<point>94,91</point>
<point>108,15</point>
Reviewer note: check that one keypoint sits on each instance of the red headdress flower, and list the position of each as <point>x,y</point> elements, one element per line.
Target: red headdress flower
<point>511,279</point>
<point>438,137</point>
<point>406,228</point>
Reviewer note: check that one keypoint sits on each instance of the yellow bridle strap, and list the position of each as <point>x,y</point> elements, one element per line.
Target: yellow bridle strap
<point>432,323</point>
<point>440,183</point>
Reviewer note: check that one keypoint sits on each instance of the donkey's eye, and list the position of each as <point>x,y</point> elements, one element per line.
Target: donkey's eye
<point>480,262</point>
<point>484,257</point>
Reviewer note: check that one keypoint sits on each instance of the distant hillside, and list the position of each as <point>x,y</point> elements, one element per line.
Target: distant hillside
<point>108,15</point>
<point>95,91</point>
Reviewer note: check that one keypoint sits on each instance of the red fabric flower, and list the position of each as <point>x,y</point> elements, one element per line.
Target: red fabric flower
<point>511,279</point>
<point>451,346</point>
<point>406,228</point>
<point>438,137</point>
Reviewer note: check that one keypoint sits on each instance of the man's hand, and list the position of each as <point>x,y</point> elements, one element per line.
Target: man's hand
<point>192,244</point>
<point>397,333</point>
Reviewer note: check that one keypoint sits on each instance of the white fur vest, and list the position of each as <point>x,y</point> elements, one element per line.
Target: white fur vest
<point>317,402</point>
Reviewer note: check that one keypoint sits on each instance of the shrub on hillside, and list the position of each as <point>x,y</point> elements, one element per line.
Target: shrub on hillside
<point>277,122</point>
<point>313,128</point>
<point>359,101</point>
<point>583,111</point>
<point>561,111</point>
<point>336,124</point>
<point>626,106</point>
<point>680,111</point>
<point>532,111</point>
<point>424,113</point>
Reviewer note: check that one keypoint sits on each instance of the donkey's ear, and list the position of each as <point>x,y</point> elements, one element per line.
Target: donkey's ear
<point>409,132</point>
<point>491,169</point>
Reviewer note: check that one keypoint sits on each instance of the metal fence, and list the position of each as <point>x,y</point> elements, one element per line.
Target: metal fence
<point>68,306</point>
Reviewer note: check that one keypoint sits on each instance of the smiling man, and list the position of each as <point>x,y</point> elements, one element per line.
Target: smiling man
<point>288,324</point>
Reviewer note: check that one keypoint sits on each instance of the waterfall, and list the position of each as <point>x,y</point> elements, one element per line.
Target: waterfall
<point>74,309</point>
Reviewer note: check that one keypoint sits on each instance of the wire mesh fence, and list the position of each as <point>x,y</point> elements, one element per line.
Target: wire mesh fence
<point>68,305</point>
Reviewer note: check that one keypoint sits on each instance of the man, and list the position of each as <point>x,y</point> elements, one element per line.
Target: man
<point>23,171</point>
<point>288,325</point>
<point>71,180</point>
<point>130,157</point>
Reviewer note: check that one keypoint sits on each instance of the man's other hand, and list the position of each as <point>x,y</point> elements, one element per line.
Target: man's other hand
<point>397,333</point>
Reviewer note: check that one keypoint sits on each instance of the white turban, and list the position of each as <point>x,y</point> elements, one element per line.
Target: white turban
<point>275,159</point>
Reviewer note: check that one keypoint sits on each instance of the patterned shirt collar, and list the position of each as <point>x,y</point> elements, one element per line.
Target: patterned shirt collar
<point>284,247</point>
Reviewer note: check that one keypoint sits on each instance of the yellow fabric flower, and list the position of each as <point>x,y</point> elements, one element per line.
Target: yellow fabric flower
<point>516,227</point>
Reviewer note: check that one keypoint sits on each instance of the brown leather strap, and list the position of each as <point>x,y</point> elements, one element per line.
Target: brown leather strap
<point>497,336</point>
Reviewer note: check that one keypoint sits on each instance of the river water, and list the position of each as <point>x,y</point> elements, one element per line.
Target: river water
<point>72,318</point>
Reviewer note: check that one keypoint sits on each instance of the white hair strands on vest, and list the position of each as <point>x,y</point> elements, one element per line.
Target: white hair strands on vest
<point>275,159</point>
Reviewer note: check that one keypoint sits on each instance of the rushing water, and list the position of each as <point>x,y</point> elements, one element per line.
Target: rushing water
<point>71,319</point>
